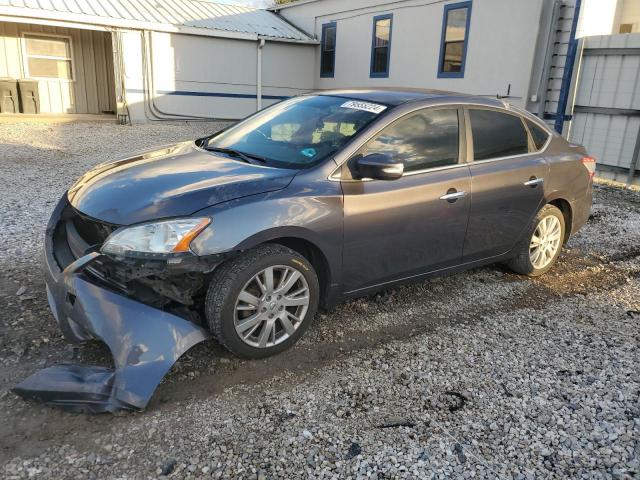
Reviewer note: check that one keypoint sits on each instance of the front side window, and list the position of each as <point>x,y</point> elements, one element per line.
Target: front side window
<point>297,133</point>
<point>328,50</point>
<point>423,140</point>
<point>48,57</point>
<point>381,46</point>
<point>455,34</point>
<point>497,134</point>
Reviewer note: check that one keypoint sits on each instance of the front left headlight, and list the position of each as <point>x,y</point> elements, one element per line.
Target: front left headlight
<point>169,236</point>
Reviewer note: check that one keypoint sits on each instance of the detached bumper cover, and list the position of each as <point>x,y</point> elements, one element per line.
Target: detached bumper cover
<point>145,342</point>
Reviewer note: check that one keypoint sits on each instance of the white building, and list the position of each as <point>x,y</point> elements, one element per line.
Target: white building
<point>530,51</point>
<point>482,46</point>
<point>151,59</point>
<point>512,48</point>
<point>171,59</point>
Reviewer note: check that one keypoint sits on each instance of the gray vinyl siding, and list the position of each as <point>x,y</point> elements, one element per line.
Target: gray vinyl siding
<point>92,89</point>
<point>609,82</point>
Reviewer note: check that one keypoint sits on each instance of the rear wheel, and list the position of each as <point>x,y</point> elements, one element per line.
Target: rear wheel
<point>541,247</point>
<point>260,303</point>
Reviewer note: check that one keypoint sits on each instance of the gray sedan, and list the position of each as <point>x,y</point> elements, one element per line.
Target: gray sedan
<point>316,199</point>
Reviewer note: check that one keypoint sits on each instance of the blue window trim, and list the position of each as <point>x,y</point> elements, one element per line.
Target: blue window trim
<point>333,65</point>
<point>385,74</point>
<point>447,8</point>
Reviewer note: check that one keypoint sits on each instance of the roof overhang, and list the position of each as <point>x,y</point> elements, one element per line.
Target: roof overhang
<point>88,22</point>
<point>297,3</point>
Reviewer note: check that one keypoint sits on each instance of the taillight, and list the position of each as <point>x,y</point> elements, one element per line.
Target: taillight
<point>590,164</point>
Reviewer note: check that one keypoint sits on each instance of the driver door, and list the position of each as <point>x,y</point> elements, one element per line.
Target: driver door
<point>396,229</point>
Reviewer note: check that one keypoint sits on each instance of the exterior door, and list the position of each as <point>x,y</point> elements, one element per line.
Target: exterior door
<point>398,228</point>
<point>507,182</point>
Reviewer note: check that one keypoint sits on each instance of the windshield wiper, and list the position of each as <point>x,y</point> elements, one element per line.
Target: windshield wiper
<point>247,157</point>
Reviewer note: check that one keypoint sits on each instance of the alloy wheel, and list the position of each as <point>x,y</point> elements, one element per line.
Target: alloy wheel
<point>271,306</point>
<point>545,242</point>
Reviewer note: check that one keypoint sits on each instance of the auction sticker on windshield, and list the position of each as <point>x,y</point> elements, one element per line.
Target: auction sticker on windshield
<point>366,106</point>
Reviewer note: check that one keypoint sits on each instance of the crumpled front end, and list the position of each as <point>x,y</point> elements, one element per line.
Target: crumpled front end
<point>145,341</point>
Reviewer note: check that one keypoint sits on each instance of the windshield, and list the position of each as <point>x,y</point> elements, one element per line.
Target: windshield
<point>299,132</point>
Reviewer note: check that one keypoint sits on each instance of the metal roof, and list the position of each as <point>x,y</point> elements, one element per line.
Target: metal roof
<point>182,15</point>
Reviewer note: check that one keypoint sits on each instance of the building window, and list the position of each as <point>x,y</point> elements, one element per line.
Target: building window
<point>627,28</point>
<point>381,46</point>
<point>455,35</point>
<point>48,57</point>
<point>328,50</point>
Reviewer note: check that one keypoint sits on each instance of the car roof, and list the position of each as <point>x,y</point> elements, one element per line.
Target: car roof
<point>399,96</point>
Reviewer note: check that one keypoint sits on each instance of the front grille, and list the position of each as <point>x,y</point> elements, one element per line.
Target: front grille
<point>92,232</point>
<point>76,234</point>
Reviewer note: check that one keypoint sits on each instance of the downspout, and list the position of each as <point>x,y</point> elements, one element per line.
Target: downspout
<point>573,89</point>
<point>122,108</point>
<point>261,44</point>
<point>568,70</point>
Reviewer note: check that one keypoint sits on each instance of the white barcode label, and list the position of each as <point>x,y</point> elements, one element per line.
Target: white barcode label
<point>366,106</point>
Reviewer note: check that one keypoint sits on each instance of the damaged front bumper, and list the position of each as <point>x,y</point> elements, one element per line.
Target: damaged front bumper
<point>145,342</point>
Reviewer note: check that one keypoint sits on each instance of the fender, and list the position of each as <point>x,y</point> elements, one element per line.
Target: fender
<point>288,231</point>
<point>578,211</point>
<point>312,216</point>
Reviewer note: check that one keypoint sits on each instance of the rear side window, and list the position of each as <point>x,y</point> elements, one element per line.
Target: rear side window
<point>539,135</point>
<point>497,134</point>
<point>427,139</point>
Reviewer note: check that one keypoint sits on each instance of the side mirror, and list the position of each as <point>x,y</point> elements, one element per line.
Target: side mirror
<point>379,166</point>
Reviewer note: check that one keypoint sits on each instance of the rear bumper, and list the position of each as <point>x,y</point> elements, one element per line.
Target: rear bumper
<point>145,342</point>
<point>581,210</point>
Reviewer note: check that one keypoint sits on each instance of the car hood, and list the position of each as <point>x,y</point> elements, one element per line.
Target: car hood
<point>172,181</point>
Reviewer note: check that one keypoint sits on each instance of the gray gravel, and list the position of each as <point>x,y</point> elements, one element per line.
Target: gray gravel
<point>38,162</point>
<point>485,374</point>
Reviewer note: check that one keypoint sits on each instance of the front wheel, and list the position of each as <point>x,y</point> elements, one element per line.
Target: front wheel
<point>261,302</point>
<point>540,249</point>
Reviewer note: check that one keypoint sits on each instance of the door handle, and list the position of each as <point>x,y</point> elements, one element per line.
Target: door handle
<point>452,195</point>
<point>533,181</point>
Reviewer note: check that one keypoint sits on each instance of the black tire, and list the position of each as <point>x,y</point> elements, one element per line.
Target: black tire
<point>521,263</point>
<point>229,280</point>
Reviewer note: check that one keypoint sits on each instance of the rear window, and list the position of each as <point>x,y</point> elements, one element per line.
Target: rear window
<point>539,135</point>
<point>497,134</point>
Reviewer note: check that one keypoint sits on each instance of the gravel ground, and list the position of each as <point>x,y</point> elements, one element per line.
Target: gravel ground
<point>484,374</point>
